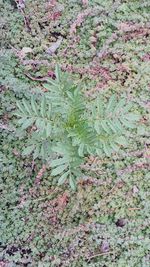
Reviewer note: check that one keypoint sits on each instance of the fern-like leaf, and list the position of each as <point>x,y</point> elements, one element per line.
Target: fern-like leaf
<point>67,127</point>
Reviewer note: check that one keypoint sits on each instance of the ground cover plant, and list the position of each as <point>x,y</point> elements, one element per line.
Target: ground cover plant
<point>98,51</point>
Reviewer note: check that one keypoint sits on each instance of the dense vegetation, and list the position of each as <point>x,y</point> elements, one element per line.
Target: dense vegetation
<point>61,62</point>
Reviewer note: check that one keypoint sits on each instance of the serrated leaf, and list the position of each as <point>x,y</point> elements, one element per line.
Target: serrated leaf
<point>59,170</point>
<point>72,182</point>
<point>63,178</point>
<point>28,150</point>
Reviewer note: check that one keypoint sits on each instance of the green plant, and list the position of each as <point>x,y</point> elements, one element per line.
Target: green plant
<point>67,127</point>
<point>45,225</point>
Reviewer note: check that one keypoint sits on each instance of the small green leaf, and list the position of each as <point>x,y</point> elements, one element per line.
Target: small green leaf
<point>70,95</point>
<point>60,149</point>
<point>43,106</point>
<point>57,162</point>
<point>36,152</point>
<point>72,182</point>
<point>21,108</point>
<point>43,152</point>
<point>141,130</point>
<point>128,107</point>
<point>27,123</point>
<point>58,72</point>
<point>111,124</point>
<point>121,140</point>
<point>107,149</point>
<point>93,110</point>
<point>28,150</point>
<point>120,105</point>
<point>127,123</point>
<point>119,126</point>
<point>63,178</point>
<point>132,117</point>
<point>22,120</point>
<point>97,127</point>
<point>100,106</point>
<point>48,86</point>
<point>19,114</point>
<point>27,107</point>
<point>99,152</point>
<point>59,170</point>
<point>105,127</point>
<point>34,105</point>
<point>114,146</point>
<point>49,111</point>
<point>40,123</point>
<point>81,150</point>
<point>111,104</point>
<point>48,129</point>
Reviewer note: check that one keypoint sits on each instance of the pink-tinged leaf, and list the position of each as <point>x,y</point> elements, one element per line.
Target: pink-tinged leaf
<point>135,189</point>
<point>52,49</point>
<point>85,2</point>
<point>105,246</point>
